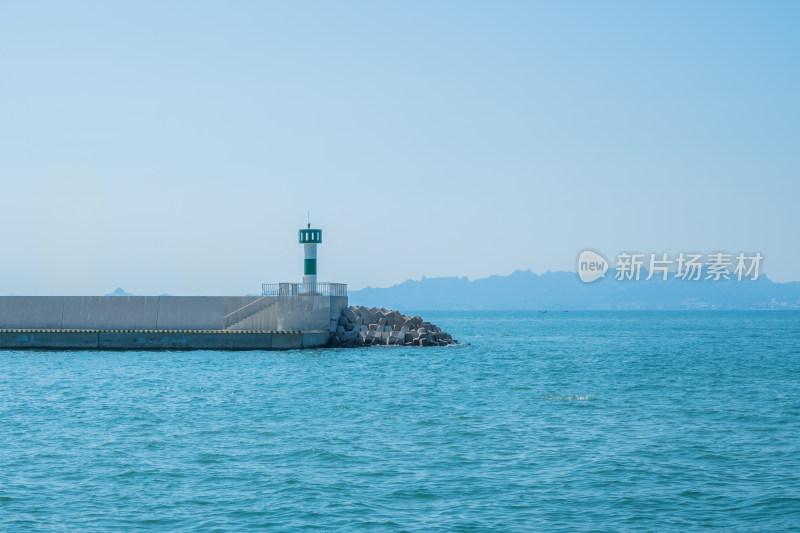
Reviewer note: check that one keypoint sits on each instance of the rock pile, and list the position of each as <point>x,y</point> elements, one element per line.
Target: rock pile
<point>371,326</point>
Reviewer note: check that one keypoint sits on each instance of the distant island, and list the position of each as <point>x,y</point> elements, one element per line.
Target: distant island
<point>119,292</point>
<point>525,290</point>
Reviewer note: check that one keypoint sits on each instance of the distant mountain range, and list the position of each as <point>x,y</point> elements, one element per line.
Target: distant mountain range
<point>564,291</point>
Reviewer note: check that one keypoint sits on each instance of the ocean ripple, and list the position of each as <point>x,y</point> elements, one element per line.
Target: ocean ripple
<point>582,421</point>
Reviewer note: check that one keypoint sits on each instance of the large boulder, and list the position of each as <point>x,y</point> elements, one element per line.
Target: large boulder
<point>350,315</point>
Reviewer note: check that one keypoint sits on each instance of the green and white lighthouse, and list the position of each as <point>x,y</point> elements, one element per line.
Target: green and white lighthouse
<point>310,238</point>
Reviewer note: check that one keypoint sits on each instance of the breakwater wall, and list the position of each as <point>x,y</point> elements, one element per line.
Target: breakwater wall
<point>168,322</point>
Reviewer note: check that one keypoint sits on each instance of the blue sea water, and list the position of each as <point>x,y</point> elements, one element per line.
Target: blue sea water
<point>601,421</point>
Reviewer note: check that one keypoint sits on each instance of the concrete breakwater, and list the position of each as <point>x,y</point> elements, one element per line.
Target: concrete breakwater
<point>205,322</point>
<point>371,326</point>
<point>168,322</point>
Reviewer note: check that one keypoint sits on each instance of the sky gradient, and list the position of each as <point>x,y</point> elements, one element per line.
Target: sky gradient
<point>177,147</point>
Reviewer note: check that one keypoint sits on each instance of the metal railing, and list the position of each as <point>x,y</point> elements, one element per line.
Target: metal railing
<point>294,289</point>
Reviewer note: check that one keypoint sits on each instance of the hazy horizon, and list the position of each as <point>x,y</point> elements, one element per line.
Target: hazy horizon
<point>256,288</point>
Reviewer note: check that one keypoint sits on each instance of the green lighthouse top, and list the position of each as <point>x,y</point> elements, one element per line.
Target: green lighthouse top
<point>310,236</point>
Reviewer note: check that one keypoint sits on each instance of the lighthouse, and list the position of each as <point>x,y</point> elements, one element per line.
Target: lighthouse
<point>310,238</point>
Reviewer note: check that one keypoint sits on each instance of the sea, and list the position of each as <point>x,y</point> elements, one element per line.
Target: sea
<point>557,421</point>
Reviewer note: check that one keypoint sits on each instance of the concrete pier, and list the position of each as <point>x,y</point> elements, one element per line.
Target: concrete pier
<point>168,322</point>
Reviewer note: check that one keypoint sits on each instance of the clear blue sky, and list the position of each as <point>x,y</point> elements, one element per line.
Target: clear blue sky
<point>175,147</point>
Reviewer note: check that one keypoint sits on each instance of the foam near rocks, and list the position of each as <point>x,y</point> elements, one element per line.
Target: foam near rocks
<point>373,326</point>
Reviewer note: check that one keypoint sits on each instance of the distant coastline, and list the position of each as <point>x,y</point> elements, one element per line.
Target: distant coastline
<point>562,290</point>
